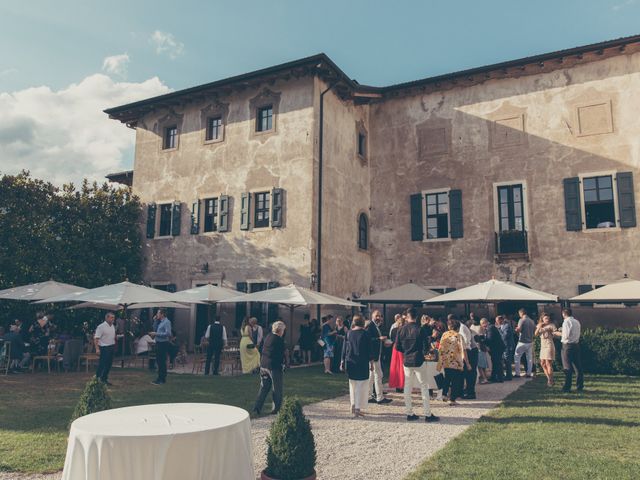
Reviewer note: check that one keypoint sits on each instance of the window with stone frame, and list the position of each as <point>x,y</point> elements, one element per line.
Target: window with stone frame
<point>210,215</point>
<point>214,128</point>
<point>264,118</point>
<point>166,215</point>
<point>261,211</point>
<point>170,137</point>
<point>437,215</point>
<point>599,201</point>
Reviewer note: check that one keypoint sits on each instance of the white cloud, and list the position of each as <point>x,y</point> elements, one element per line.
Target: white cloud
<point>622,5</point>
<point>63,135</point>
<point>166,43</point>
<point>7,72</point>
<point>116,64</point>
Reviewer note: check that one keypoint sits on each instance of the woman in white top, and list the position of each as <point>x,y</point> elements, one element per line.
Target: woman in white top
<point>142,344</point>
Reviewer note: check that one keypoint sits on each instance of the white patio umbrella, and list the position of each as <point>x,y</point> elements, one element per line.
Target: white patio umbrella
<point>292,296</point>
<point>39,291</point>
<point>626,290</point>
<point>109,306</point>
<point>494,291</point>
<point>209,294</point>
<point>407,293</point>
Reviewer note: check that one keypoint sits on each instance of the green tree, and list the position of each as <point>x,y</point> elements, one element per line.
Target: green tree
<point>87,236</point>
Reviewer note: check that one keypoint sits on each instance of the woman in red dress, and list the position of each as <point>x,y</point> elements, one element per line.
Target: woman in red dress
<point>396,369</point>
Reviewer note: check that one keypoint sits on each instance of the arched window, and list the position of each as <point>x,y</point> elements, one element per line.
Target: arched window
<point>363,232</point>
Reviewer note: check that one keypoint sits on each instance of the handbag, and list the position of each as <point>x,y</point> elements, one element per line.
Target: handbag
<point>250,346</point>
<point>321,342</point>
<point>439,378</point>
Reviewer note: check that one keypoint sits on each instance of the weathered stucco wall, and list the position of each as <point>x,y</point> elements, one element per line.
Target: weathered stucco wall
<point>242,162</point>
<point>346,269</point>
<point>449,139</point>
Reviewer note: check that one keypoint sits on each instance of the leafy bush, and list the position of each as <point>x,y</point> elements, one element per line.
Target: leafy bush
<point>94,398</point>
<point>291,452</point>
<point>610,352</point>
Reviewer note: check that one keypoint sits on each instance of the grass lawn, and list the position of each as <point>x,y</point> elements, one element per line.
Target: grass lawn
<point>540,433</point>
<point>35,409</point>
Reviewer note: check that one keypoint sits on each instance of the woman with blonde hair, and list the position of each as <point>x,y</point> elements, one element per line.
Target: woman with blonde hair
<point>396,368</point>
<point>249,354</point>
<point>545,330</point>
<point>356,356</point>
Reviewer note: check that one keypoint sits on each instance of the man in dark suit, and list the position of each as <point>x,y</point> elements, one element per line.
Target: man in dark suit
<point>272,361</point>
<point>216,335</point>
<point>493,341</point>
<point>375,373</point>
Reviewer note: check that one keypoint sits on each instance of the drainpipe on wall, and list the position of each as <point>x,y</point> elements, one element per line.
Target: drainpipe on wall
<point>319,246</point>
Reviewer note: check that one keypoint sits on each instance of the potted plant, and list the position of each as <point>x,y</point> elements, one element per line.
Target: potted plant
<point>291,450</point>
<point>94,398</point>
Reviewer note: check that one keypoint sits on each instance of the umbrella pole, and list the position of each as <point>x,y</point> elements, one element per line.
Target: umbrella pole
<point>291,307</point>
<point>124,336</point>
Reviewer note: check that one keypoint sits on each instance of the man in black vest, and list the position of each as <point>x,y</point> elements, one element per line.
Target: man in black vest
<point>216,335</point>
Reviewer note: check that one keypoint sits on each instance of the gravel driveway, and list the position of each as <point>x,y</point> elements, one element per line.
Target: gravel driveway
<point>381,445</point>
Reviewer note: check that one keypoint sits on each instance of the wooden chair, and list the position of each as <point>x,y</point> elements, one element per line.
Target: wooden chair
<point>198,363</point>
<point>88,358</point>
<point>5,357</point>
<point>51,356</point>
<point>230,361</point>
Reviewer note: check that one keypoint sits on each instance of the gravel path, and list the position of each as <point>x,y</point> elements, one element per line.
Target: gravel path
<point>341,442</point>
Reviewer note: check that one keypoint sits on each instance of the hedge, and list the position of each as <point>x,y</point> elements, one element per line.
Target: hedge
<point>610,352</point>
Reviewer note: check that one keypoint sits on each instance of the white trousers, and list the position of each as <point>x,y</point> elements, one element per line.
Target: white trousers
<point>358,390</point>
<point>375,378</point>
<point>521,349</point>
<point>421,374</point>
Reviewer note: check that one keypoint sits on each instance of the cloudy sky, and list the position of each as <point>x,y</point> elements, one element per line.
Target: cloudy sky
<point>62,63</point>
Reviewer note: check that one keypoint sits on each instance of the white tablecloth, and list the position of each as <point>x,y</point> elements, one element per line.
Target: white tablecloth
<point>174,441</point>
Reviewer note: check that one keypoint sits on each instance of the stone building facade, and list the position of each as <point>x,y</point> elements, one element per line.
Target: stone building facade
<point>525,170</point>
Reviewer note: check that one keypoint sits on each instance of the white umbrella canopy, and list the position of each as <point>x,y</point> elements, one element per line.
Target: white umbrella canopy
<point>625,290</point>
<point>408,293</point>
<point>494,291</point>
<point>292,295</point>
<point>39,291</point>
<point>125,294</point>
<point>207,293</point>
<point>109,306</point>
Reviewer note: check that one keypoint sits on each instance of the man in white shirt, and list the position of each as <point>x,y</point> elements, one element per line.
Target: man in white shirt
<point>470,374</point>
<point>105,341</point>
<point>571,359</point>
<point>216,336</point>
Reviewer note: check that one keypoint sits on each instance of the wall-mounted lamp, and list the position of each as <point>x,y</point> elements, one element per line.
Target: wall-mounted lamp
<point>313,278</point>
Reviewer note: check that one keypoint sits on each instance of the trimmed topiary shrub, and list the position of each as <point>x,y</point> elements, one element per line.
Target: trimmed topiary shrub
<point>94,398</point>
<point>291,450</point>
<point>610,352</point>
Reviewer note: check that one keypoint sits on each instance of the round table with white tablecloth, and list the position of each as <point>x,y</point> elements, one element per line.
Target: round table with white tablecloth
<point>172,441</point>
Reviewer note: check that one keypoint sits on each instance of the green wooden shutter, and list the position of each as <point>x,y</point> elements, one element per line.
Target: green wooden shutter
<point>175,218</point>
<point>572,208</point>
<point>195,217</point>
<point>241,307</point>
<point>276,207</point>
<point>245,203</point>
<point>626,199</point>
<point>223,215</point>
<point>417,232</point>
<point>455,212</point>
<point>151,220</point>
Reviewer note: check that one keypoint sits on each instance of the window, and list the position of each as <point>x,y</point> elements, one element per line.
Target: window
<point>511,209</point>
<point>210,215</point>
<point>170,137</point>
<point>261,211</point>
<point>362,144</point>
<point>363,232</point>
<point>437,215</point>
<point>214,128</point>
<point>599,202</point>
<point>264,119</point>
<point>165,220</point>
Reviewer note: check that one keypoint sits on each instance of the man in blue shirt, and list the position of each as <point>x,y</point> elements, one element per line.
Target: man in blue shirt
<point>162,335</point>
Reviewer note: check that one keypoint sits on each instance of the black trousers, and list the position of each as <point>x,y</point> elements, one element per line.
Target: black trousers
<point>162,350</point>
<point>269,379</point>
<point>572,360</point>
<point>507,358</point>
<point>215,353</point>
<point>104,365</point>
<point>471,374</point>
<point>497,370</point>
<point>453,381</point>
